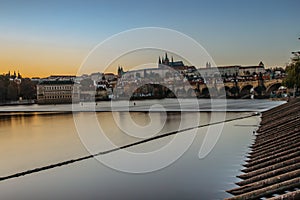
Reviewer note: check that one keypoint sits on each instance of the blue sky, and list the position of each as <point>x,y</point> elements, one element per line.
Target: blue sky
<point>61,33</point>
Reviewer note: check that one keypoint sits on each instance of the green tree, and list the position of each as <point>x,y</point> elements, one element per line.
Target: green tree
<point>12,92</point>
<point>2,90</point>
<point>4,82</point>
<point>293,75</point>
<point>27,89</point>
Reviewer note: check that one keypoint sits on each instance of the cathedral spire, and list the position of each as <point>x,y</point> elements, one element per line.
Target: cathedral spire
<point>166,62</point>
<point>19,75</point>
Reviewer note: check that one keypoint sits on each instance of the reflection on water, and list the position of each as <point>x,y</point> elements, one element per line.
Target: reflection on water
<point>30,141</point>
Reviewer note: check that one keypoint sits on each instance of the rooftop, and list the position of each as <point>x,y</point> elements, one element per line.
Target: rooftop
<point>56,82</point>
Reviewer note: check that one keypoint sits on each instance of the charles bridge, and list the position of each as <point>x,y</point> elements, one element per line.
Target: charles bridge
<point>182,89</point>
<point>240,88</point>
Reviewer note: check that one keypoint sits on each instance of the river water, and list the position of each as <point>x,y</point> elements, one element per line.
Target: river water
<point>37,139</point>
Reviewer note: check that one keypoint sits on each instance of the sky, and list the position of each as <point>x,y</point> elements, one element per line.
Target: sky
<point>40,38</point>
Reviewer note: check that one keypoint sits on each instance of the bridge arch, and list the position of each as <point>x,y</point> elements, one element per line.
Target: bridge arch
<point>197,92</point>
<point>205,92</point>
<point>234,91</point>
<point>273,87</point>
<point>245,91</point>
<point>213,92</point>
<point>191,92</point>
<point>181,92</point>
<point>224,91</point>
<point>169,93</point>
<point>260,90</point>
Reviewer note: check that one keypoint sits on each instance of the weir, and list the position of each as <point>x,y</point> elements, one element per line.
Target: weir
<point>273,168</point>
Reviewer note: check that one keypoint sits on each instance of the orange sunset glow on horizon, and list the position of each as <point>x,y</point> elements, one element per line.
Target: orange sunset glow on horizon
<point>39,39</point>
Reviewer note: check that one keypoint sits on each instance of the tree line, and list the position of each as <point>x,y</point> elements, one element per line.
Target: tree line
<point>293,75</point>
<point>11,89</point>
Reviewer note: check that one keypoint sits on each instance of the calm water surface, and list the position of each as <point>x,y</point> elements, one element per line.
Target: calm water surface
<point>28,141</point>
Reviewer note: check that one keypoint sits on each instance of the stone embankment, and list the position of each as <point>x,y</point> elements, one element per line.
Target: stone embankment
<point>272,170</point>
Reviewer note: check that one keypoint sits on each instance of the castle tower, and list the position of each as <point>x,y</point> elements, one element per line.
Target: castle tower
<point>166,61</point>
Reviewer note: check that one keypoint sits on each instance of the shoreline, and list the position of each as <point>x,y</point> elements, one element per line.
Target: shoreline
<point>34,102</point>
<point>164,105</point>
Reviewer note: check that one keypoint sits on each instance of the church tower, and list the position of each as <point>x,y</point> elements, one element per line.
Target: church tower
<point>166,61</point>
